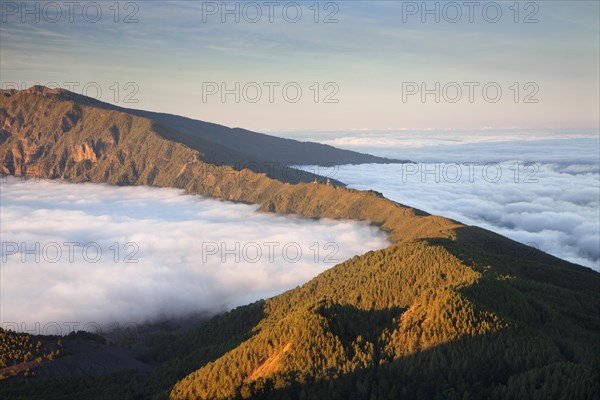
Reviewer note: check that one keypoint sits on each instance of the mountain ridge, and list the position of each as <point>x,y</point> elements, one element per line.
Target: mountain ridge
<point>407,308</point>
<point>284,151</point>
<point>63,139</point>
<point>447,311</point>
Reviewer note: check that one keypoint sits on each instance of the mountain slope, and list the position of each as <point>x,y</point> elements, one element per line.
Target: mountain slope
<point>48,137</point>
<point>263,147</point>
<point>221,144</point>
<point>447,311</point>
<point>416,320</point>
<point>44,135</point>
<point>419,320</point>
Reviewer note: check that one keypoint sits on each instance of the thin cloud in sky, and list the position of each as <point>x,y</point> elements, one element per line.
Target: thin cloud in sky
<point>170,51</point>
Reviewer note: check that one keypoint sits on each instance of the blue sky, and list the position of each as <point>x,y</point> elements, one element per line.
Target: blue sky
<point>175,49</point>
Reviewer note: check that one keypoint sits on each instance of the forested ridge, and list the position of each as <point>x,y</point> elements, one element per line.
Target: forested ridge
<point>416,320</point>
<point>421,319</point>
<point>447,312</point>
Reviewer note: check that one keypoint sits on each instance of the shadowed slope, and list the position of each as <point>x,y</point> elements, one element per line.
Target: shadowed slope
<point>462,312</point>
<point>46,136</point>
<point>423,320</point>
<point>246,146</point>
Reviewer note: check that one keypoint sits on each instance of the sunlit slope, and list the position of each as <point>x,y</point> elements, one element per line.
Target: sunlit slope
<point>417,320</point>
<point>50,137</point>
<point>448,311</point>
<point>48,133</point>
<point>219,143</point>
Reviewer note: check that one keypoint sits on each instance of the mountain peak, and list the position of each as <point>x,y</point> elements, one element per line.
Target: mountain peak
<point>37,89</point>
<point>44,90</point>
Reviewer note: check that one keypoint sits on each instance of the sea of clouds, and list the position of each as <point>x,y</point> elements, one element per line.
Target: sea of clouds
<point>136,254</point>
<point>537,187</point>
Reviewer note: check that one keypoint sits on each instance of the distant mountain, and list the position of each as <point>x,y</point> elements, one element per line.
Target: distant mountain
<point>43,134</point>
<point>217,144</point>
<point>259,146</point>
<point>448,311</point>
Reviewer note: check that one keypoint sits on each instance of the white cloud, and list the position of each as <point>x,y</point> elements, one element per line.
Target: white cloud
<point>176,274</point>
<point>554,202</point>
<point>540,146</point>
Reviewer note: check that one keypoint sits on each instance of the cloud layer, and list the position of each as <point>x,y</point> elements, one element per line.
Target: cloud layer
<point>145,253</point>
<point>543,188</point>
<point>563,147</point>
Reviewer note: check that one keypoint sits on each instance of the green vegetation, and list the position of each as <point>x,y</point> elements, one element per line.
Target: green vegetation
<point>63,139</point>
<point>447,312</point>
<point>416,320</point>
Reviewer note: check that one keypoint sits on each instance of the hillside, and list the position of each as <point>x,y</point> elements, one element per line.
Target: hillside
<point>448,311</point>
<point>416,320</point>
<point>220,144</point>
<point>46,136</point>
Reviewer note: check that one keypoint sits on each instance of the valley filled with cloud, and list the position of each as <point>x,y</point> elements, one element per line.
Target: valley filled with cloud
<point>97,253</point>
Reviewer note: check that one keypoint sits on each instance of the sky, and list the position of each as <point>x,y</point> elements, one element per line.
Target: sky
<point>361,65</point>
<point>137,254</point>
